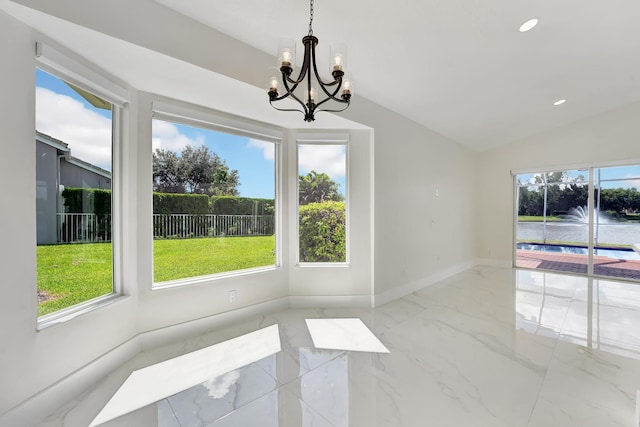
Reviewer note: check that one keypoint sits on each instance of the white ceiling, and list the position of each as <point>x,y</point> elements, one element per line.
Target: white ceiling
<point>461,68</point>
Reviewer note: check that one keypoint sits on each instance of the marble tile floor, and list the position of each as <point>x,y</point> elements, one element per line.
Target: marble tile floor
<point>487,347</point>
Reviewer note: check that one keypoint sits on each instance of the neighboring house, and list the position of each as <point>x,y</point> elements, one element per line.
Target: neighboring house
<point>56,169</point>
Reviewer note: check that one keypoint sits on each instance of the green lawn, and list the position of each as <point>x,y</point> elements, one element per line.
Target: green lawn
<point>73,273</point>
<point>180,258</point>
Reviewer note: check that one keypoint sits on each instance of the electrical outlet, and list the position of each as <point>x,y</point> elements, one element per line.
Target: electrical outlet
<point>232,296</point>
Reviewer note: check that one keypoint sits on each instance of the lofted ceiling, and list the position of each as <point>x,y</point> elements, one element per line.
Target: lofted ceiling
<point>461,68</point>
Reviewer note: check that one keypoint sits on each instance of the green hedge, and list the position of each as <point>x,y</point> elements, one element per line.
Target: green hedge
<point>232,205</point>
<point>171,203</point>
<point>87,200</point>
<point>93,200</point>
<point>323,232</point>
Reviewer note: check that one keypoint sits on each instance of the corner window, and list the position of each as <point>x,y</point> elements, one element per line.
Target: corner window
<point>74,192</point>
<point>214,195</point>
<point>322,201</point>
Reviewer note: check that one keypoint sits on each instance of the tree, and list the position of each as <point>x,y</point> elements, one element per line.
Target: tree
<point>167,177</point>
<point>196,170</point>
<point>318,188</point>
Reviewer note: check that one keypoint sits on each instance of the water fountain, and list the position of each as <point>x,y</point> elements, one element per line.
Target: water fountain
<point>581,214</point>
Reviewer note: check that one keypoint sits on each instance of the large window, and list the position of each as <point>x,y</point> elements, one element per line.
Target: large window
<point>322,213</point>
<point>213,201</point>
<point>561,228</point>
<point>74,163</point>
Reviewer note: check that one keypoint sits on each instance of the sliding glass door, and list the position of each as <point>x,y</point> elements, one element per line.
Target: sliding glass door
<point>558,228</point>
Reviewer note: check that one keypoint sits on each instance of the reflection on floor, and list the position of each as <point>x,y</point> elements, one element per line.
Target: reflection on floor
<point>489,347</point>
<point>575,263</point>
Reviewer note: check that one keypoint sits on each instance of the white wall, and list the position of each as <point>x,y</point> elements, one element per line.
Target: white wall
<point>610,138</point>
<point>419,237</point>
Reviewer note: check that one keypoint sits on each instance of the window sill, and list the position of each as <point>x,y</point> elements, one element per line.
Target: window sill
<point>67,314</point>
<point>323,265</point>
<point>212,277</point>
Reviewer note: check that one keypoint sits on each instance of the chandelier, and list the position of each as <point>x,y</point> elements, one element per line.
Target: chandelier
<point>309,79</point>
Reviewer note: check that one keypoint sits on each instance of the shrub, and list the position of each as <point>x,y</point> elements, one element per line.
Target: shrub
<point>323,232</point>
<point>172,203</point>
<point>232,205</point>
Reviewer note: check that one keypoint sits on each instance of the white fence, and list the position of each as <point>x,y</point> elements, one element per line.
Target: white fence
<point>81,227</point>
<point>185,225</point>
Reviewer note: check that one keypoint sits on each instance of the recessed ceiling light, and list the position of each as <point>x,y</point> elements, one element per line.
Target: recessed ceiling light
<point>528,25</point>
<point>560,102</point>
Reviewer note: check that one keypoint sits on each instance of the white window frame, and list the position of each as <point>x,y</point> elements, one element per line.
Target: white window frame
<point>87,77</point>
<point>590,168</point>
<point>337,138</point>
<point>193,115</point>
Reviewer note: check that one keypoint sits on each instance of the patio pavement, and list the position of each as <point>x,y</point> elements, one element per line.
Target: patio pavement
<point>573,263</point>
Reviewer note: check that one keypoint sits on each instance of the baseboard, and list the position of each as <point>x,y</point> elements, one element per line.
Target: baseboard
<point>406,289</point>
<point>38,407</point>
<point>492,263</point>
<point>339,301</point>
<point>163,336</point>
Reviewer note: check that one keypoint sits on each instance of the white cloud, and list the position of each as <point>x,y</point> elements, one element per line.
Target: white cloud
<point>167,136</point>
<point>329,159</point>
<point>268,148</point>
<point>87,133</point>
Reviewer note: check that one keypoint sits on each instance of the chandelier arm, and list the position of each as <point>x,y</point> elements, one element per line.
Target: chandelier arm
<point>332,98</point>
<point>286,109</point>
<point>293,95</point>
<point>335,92</point>
<point>321,82</point>
<point>336,111</point>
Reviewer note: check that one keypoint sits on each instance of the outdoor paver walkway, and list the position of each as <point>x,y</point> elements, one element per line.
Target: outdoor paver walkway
<point>574,263</point>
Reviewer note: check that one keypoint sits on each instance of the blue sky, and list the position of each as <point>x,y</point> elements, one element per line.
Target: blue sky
<point>65,115</point>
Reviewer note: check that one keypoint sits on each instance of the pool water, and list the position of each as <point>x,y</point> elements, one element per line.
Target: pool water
<point>618,253</point>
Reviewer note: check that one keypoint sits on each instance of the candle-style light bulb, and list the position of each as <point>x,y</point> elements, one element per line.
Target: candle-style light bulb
<point>347,88</point>
<point>338,57</point>
<point>337,63</point>
<point>287,56</point>
<point>273,84</point>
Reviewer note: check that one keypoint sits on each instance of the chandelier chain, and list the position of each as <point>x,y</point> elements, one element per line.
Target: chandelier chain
<point>310,17</point>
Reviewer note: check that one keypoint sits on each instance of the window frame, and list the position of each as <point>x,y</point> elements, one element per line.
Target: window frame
<point>178,112</point>
<point>331,138</point>
<point>88,77</point>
